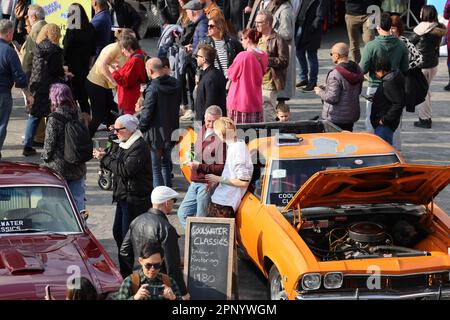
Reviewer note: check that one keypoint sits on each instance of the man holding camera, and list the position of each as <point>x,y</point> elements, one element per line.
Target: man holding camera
<point>148,283</point>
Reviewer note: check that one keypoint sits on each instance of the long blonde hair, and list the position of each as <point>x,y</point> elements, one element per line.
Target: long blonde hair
<point>51,32</point>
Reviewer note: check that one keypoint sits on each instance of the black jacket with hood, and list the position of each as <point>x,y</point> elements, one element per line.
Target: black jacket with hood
<point>159,116</point>
<point>154,226</point>
<point>427,38</point>
<point>389,100</point>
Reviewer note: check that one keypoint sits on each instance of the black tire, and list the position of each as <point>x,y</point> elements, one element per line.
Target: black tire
<point>276,289</point>
<point>104,183</point>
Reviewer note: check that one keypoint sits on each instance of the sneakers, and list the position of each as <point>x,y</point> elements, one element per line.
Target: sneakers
<point>447,87</point>
<point>27,151</point>
<point>188,115</point>
<point>309,88</point>
<point>423,123</point>
<point>302,83</point>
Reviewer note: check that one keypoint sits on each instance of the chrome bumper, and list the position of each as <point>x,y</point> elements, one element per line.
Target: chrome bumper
<point>430,294</point>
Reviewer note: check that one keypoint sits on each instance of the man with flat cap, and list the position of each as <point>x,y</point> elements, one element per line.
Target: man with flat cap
<point>129,160</point>
<point>154,226</point>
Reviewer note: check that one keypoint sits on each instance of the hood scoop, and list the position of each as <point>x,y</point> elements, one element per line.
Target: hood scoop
<point>20,261</point>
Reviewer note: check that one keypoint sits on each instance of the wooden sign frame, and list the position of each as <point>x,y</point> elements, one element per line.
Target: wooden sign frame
<point>231,246</point>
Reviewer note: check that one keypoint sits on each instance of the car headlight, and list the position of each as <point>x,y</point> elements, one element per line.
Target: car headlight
<point>333,280</point>
<point>311,281</point>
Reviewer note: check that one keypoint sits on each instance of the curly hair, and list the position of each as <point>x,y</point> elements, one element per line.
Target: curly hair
<point>51,32</point>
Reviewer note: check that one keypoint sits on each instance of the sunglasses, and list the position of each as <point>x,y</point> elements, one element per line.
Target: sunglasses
<point>211,26</point>
<point>155,266</point>
<point>117,129</point>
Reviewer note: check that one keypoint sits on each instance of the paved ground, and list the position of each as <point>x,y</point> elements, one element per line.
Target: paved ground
<point>419,146</point>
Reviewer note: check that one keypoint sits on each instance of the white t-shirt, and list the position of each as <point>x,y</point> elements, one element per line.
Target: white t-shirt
<point>238,165</point>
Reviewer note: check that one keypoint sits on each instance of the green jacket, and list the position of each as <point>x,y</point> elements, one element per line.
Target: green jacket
<point>384,46</point>
<point>28,47</point>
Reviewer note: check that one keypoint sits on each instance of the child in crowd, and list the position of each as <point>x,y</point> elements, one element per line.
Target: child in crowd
<point>283,112</point>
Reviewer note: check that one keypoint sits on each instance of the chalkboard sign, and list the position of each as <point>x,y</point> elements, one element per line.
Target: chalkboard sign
<point>208,257</point>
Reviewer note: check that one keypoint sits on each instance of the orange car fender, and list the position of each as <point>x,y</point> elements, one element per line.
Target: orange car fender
<point>294,259</point>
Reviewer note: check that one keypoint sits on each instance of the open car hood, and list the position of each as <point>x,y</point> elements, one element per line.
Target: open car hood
<point>397,183</point>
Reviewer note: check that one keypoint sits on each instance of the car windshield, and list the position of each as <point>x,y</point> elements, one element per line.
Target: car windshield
<point>36,209</point>
<point>288,175</point>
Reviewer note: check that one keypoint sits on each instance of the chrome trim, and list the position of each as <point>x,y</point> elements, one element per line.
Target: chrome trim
<point>311,274</point>
<point>66,189</point>
<point>437,294</point>
<point>329,273</point>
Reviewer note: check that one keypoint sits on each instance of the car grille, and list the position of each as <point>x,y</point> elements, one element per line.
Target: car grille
<point>396,282</point>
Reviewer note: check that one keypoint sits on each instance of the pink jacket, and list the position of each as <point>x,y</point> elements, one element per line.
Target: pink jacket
<point>246,75</point>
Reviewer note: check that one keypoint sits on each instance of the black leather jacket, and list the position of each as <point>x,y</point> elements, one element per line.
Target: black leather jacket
<point>232,45</point>
<point>154,226</point>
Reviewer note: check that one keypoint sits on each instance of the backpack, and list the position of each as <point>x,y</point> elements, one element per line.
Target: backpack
<point>416,88</point>
<point>136,281</point>
<point>78,145</point>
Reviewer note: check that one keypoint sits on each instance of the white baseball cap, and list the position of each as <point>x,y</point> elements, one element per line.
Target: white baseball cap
<point>162,194</point>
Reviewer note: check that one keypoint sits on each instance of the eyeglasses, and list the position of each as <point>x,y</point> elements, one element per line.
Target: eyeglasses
<point>211,26</point>
<point>117,129</point>
<point>155,266</point>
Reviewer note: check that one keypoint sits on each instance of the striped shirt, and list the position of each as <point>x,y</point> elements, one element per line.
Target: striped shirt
<point>221,62</point>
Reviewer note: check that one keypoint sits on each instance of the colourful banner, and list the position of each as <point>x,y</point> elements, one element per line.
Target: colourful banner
<point>56,11</point>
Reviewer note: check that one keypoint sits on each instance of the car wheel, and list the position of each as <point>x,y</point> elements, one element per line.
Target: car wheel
<point>276,287</point>
<point>104,183</point>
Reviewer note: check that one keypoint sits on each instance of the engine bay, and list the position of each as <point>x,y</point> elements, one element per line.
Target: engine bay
<point>344,237</point>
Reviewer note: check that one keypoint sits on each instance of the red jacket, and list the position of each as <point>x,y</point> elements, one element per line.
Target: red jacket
<point>129,79</point>
<point>213,153</point>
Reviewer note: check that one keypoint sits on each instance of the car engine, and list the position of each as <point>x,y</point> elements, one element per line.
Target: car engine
<point>343,240</point>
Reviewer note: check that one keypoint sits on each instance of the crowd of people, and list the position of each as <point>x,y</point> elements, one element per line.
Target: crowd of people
<point>211,67</point>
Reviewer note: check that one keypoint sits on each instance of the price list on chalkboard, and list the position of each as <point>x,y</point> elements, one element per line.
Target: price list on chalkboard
<point>209,258</point>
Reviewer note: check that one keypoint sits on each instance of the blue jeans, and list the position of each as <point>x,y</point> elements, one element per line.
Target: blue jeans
<point>305,58</point>
<point>30,130</point>
<point>78,192</point>
<point>5,112</point>
<point>162,167</point>
<point>385,133</point>
<point>122,222</point>
<point>195,202</point>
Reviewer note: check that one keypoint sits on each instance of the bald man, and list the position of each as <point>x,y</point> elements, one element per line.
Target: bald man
<point>159,118</point>
<point>340,95</point>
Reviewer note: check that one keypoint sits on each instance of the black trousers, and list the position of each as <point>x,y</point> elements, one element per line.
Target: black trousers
<point>102,103</point>
<point>79,92</point>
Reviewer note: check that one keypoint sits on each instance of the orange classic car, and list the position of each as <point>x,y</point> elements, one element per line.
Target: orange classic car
<point>338,215</point>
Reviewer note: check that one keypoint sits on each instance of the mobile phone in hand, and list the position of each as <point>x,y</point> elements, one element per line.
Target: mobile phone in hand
<point>16,45</point>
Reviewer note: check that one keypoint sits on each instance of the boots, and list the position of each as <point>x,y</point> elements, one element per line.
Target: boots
<point>447,87</point>
<point>423,123</point>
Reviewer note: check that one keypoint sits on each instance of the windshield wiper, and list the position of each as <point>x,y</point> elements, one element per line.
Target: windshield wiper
<point>33,230</point>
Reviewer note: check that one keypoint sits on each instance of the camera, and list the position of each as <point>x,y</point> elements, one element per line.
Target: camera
<point>156,290</point>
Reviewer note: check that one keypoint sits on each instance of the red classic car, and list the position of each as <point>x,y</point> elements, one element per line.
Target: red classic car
<point>43,240</point>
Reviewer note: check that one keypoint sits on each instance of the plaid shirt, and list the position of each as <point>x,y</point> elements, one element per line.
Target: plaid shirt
<point>125,292</point>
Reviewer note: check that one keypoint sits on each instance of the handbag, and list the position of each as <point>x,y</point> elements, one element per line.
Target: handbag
<point>416,88</point>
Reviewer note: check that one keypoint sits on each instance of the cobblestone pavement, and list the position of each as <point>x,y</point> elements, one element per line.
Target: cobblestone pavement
<point>431,146</point>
